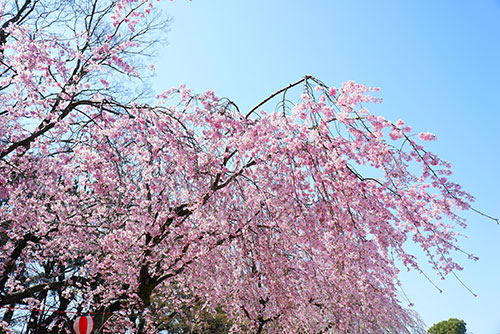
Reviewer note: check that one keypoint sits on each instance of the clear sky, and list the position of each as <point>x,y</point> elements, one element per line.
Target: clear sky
<point>437,63</point>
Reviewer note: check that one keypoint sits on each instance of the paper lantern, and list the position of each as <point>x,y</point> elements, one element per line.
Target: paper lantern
<point>83,325</point>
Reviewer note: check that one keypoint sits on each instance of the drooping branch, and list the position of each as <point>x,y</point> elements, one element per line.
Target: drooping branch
<point>282,90</point>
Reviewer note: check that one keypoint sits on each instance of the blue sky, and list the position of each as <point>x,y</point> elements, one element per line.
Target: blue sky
<point>437,63</point>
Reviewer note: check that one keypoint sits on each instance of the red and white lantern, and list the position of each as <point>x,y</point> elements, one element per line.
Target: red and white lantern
<point>83,325</point>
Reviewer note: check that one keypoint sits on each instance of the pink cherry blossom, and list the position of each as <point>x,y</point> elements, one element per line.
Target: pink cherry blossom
<point>287,220</point>
<point>427,136</point>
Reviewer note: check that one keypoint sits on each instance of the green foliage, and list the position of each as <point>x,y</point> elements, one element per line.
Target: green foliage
<point>190,317</point>
<point>450,326</point>
<point>201,323</point>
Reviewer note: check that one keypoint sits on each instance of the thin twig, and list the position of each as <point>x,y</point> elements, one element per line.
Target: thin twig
<point>305,78</point>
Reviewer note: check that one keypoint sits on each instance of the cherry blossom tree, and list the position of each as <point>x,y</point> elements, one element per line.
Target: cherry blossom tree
<point>289,219</point>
